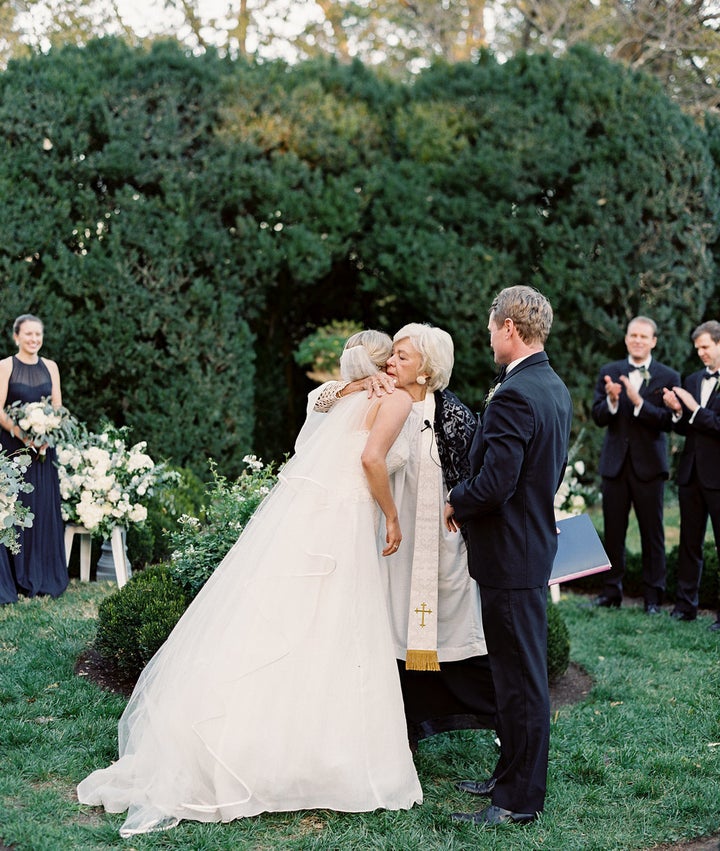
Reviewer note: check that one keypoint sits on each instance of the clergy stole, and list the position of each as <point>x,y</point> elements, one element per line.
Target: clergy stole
<point>422,652</point>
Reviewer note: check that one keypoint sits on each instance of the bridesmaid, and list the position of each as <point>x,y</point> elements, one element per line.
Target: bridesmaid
<point>39,567</point>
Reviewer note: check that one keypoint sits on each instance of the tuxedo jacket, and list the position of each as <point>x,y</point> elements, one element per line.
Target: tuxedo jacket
<point>702,437</point>
<point>642,438</point>
<point>517,460</point>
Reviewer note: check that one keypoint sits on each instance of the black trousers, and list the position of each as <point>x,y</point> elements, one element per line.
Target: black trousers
<point>619,495</point>
<point>515,623</point>
<point>697,503</point>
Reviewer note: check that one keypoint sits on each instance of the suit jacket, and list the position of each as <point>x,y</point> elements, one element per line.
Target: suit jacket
<point>702,437</point>
<point>517,461</point>
<point>642,438</point>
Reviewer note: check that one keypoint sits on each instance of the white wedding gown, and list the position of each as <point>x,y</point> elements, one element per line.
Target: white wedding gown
<point>278,688</point>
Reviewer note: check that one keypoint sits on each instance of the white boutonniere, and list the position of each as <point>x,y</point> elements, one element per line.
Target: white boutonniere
<point>490,394</point>
<point>645,372</point>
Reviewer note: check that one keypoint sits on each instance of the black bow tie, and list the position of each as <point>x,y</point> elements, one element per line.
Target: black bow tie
<point>710,374</point>
<point>633,368</point>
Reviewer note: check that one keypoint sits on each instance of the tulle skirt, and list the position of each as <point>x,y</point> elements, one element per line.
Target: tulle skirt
<point>278,689</point>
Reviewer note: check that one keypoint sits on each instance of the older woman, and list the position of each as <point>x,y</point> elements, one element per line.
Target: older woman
<point>434,604</point>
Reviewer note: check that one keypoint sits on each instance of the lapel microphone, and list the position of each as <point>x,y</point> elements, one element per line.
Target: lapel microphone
<point>425,426</point>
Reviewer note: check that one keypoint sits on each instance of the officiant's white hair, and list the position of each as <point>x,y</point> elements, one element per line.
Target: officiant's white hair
<point>365,353</point>
<point>436,348</point>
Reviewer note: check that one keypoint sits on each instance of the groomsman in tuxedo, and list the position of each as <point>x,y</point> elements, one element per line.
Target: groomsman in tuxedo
<point>628,402</point>
<point>517,460</point>
<point>696,414</point>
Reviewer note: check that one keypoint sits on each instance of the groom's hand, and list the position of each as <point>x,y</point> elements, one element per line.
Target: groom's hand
<point>451,523</point>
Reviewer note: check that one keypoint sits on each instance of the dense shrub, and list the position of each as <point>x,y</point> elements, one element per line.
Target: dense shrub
<point>558,650</point>
<point>135,620</point>
<point>176,219</point>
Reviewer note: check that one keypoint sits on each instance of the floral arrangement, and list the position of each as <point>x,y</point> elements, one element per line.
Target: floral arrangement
<point>42,424</point>
<point>103,482</point>
<point>574,494</point>
<point>13,514</point>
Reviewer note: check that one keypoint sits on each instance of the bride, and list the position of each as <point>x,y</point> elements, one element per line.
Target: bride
<point>278,689</point>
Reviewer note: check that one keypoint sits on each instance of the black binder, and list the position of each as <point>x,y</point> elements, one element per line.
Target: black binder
<point>580,550</point>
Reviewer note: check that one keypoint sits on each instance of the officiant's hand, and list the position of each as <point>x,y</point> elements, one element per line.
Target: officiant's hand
<point>379,384</point>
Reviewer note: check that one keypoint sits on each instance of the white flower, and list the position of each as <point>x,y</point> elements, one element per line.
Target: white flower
<point>138,513</point>
<point>102,482</point>
<point>253,462</point>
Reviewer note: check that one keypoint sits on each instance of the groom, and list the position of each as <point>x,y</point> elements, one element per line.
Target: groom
<point>517,459</point>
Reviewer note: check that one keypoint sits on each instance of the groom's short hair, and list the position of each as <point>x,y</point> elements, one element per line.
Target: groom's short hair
<point>529,310</point>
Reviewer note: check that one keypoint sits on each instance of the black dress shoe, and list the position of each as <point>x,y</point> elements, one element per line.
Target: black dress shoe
<point>678,615</point>
<point>477,787</point>
<point>493,815</point>
<point>607,602</point>
<point>715,627</point>
<point>652,609</point>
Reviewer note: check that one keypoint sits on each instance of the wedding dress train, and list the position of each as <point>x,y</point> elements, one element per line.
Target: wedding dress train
<point>278,688</point>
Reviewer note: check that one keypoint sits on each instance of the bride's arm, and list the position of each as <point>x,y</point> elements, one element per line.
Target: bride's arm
<point>390,413</point>
<point>376,385</point>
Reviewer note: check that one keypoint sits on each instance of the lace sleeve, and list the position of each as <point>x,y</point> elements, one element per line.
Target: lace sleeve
<point>329,395</point>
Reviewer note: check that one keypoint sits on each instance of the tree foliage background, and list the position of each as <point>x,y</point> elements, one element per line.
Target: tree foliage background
<point>182,222</point>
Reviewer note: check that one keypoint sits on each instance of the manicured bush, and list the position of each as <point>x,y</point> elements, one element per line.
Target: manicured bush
<point>558,650</point>
<point>178,219</point>
<point>135,621</point>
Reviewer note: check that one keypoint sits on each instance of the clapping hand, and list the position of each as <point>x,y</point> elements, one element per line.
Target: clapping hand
<point>613,389</point>
<point>632,394</point>
<point>683,396</point>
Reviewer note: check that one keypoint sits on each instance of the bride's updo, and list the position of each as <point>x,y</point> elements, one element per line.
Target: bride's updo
<point>365,353</point>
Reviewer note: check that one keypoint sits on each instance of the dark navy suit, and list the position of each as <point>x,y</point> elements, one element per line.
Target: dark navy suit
<point>634,468</point>
<point>517,459</point>
<point>699,490</point>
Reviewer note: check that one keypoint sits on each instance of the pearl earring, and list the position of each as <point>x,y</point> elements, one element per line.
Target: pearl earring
<point>421,379</point>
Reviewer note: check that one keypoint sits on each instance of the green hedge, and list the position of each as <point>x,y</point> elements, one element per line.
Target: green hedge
<point>135,620</point>
<point>182,223</point>
<point>558,650</point>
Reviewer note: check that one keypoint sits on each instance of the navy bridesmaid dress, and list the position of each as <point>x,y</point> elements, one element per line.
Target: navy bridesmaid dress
<point>39,567</point>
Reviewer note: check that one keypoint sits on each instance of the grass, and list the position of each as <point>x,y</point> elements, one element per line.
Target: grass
<point>634,765</point>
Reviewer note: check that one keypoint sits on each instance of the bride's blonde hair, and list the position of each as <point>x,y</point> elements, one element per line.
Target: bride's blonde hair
<point>365,353</point>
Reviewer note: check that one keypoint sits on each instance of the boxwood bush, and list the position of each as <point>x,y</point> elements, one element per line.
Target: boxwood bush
<point>558,649</point>
<point>135,620</point>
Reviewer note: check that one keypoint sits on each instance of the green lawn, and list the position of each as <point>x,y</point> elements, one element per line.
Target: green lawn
<point>635,764</point>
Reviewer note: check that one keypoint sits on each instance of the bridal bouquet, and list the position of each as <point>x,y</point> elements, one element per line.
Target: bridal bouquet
<point>43,424</point>
<point>13,513</point>
<point>103,482</point>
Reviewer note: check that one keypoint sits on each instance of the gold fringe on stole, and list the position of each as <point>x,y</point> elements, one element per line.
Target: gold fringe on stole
<point>422,660</point>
